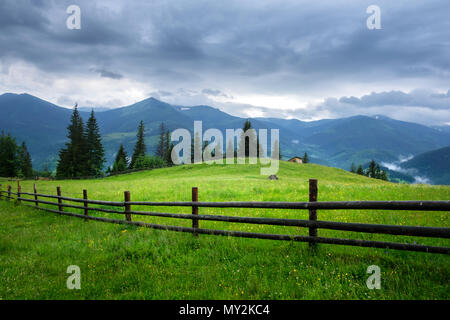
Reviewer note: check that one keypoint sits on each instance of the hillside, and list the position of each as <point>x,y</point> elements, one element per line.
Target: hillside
<point>126,262</point>
<point>333,142</point>
<point>41,124</point>
<point>434,165</point>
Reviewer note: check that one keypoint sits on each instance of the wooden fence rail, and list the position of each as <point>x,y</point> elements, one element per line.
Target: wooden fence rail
<point>312,223</point>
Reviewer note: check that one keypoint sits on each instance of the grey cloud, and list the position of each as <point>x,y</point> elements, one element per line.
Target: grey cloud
<point>65,101</point>
<point>216,93</point>
<point>108,74</point>
<point>416,98</point>
<point>293,47</point>
<point>160,94</point>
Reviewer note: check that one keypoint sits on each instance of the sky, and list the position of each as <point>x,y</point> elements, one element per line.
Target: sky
<point>289,59</point>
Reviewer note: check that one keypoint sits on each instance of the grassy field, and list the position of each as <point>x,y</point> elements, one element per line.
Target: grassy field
<point>126,262</point>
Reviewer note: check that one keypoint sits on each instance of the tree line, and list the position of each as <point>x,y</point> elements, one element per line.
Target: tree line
<point>372,171</point>
<point>84,155</point>
<point>15,160</point>
<point>140,159</point>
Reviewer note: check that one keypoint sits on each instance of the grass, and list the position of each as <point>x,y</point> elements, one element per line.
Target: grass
<point>127,262</point>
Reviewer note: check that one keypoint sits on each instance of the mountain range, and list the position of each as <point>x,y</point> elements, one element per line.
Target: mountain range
<point>334,142</point>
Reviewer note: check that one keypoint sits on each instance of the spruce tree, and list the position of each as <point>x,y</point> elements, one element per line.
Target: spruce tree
<point>120,163</point>
<point>168,149</point>
<point>168,159</point>
<point>9,165</point>
<point>372,170</point>
<point>360,170</point>
<point>96,153</point>
<point>353,168</point>
<point>245,142</point>
<point>161,149</point>
<point>377,171</point>
<point>73,159</point>
<point>139,148</point>
<point>25,163</point>
<point>305,158</point>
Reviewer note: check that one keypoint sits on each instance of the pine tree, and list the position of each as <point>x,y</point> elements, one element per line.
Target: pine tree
<point>377,171</point>
<point>161,149</point>
<point>353,168</point>
<point>360,170</point>
<point>169,159</point>
<point>120,163</point>
<point>384,176</point>
<point>8,156</point>
<point>245,142</point>
<point>96,153</point>
<point>139,148</point>
<point>73,159</point>
<point>305,158</point>
<point>24,158</point>
<point>168,146</point>
<point>372,170</point>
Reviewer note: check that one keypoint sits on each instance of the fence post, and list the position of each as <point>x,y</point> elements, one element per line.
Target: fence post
<point>195,210</point>
<point>9,192</point>
<point>86,210</point>
<point>35,195</point>
<point>312,212</point>
<point>18,191</point>
<point>58,192</point>
<point>127,206</point>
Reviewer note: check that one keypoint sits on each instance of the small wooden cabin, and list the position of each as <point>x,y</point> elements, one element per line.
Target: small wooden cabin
<point>296,160</point>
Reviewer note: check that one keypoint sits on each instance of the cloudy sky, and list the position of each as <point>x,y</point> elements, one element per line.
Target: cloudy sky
<point>302,59</point>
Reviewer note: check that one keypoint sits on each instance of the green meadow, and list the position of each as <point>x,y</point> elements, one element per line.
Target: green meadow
<point>128,262</point>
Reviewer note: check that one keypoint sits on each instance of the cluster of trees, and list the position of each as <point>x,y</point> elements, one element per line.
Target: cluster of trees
<point>15,160</point>
<point>139,159</point>
<point>84,154</point>
<point>373,171</point>
<point>163,154</point>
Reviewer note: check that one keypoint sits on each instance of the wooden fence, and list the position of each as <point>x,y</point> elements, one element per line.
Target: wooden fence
<point>312,223</point>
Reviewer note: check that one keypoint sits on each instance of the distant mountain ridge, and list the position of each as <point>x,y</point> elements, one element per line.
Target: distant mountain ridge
<point>333,142</point>
<point>434,165</point>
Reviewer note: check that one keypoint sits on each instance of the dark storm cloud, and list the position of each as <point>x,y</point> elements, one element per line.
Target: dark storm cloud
<point>22,14</point>
<point>253,47</point>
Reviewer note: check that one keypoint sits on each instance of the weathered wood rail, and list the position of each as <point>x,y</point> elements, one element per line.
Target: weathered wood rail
<point>312,223</point>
